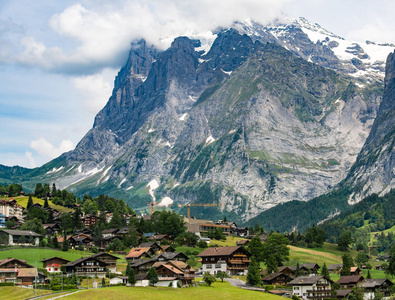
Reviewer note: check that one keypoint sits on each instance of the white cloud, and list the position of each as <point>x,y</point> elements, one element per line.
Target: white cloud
<point>30,160</point>
<point>95,89</point>
<point>47,150</point>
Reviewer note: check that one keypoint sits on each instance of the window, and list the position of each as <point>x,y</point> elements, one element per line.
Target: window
<point>218,266</point>
<point>296,288</point>
<point>209,266</point>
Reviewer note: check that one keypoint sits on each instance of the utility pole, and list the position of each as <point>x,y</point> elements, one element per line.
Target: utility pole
<point>35,280</point>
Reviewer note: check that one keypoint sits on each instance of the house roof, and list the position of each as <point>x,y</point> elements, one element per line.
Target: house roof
<point>165,247</point>
<point>343,293</point>
<point>354,269</point>
<point>171,255</point>
<point>20,232</point>
<point>27,272</point>
<point>141,276</point>
<point>148,244</point>
<point>54,257</point>
<point>272,276</point>
<point>373,283</point>
<point>219,251</point>
<point>8,271</point>
<point>305,280</point>
<point>242,242</point>
<point>137,252</point>
<point>335,266</point>
<point>94,256</point>
<point>141,261</point>
<point>7,260</point>
<point>173,269</point>
<point>112,230</point>
<point>310,265</point>
<point>97,255</point>
<point>350,279</point>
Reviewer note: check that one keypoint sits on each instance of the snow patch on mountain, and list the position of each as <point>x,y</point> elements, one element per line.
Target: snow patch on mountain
<point>152,186</point>
<point>166,201</point>
<point>54,170</point>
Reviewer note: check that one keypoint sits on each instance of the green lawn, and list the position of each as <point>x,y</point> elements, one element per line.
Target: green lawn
<point>18,293</point>
<point>33,255</point>
<point>23,202</point>
<point>218,291</point>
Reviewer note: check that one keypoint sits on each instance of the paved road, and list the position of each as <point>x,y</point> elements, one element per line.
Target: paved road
<point>243,285</point>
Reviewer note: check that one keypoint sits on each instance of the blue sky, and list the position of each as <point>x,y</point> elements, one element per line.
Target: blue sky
<point>58,59</point>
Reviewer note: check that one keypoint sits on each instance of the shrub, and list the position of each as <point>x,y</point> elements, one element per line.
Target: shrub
<point>6,284</point>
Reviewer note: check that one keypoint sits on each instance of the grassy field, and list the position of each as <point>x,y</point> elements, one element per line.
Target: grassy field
<point>23,202</point>
<point>230,241</point>
<point>218,291</point>
<point>18,293</point>
<point>33,255</point>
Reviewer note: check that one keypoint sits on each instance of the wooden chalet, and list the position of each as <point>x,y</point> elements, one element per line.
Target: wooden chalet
<point>137,253</point>
<point>26,276</point>
<point>370,286</point>
<point>109,259</point>
<point>154,246</point>
<point>8,275</point>
<point>14,263</point>
<point>243,243</point>
<point>80,240</point>
<point>51,229</point>
<point>313,267</point>
<point>335,268</point>
<point>89,220</point>
<point>355,271</point>
<point>109,232</point>
<point>140,266</point>
<point>87,266</point>
<point>276,279</point>
<point>343,294</point>
<point>175,256</point>
<point>159,238</point>
<point>53,264</point>
<point>177,270</point>
<point>233,260</point>
<point>284,270</point>
<point>348,282</point>
<point>167,248</point>
<point>312,287</point>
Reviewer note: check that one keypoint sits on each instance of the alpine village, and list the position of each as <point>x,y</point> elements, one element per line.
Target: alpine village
<point>255,165</point>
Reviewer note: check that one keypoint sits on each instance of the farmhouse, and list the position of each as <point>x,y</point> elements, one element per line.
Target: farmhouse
<point>348,282</point>
<point>86,266</point>
<point>276,279</point>
<point>13,263</point>
<point>19,237</point>
<point>53,264</point>
<point>371,285</point>
<point>137,253</point>
<point>232,260</point>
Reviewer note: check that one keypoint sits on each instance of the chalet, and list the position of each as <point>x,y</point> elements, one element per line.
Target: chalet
<point>243,243</point>
<point>311,287</point>
<point>81,240</point>
<point>89,220</point>
<point>302,269</point>
<point>371,285</point>
<point>142,280</point>
<point>348,282</point>
<point>154,246</point>
<point>109,259</point>
<point>140,266</point>
<point>242,231</point>
<point>13,263</point>
<point>8,275</point>
<point>53,264</point>
<point>335,268</point>
<point>276,279</point>
<point>206,227</point>
<point>86,266</point>
<point>51,229</point>
<point>284,270</point>
<point>109,232</point>
<point>20,237</point>
<point>136,253</point>
<point>27,276</point>
<point>313,267</point>
<point>167,248</point>
<point>159,238</point>
<point>175,256</point>
<point>381,267</point>
<point>355,271</point>
<point>176,270</point>
<point>343,294</point>
<point>233,260</point>
<point>119,280</point>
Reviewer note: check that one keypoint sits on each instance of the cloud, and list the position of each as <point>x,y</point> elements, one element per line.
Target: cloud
<point>49,151</point>
<point>30,160</point>
<point>95,89</point>
<point>103,31</point>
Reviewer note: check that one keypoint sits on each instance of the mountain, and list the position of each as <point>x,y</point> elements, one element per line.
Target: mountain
<point>248,118</point>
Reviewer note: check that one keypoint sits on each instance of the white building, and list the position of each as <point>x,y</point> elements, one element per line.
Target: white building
<point>311,287</point>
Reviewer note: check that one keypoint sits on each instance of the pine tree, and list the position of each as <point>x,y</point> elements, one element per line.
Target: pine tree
<point>272,264</point>
<point>66,245</point>
<point>369,276</point>
<point>253,276</point>
<point>132,278</point>
<point>128,269</point>
<point>29,202</point>
<point>152,276</point>
<point>46,205</point>
<point>297,272</point>
<point>325,271</point>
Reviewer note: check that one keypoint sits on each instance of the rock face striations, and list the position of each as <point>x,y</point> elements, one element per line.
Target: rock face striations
<point>257,118</point>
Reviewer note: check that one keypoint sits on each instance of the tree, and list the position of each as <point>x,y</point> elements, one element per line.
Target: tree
<point>325,271</point>
<point>361,258</point>
<point>77,219</point>
<point>344,240</point>
<point>297,272</point>
<point>29,202</point>
<point>347,264</point>
<point>271,264</point>
<point>132,278</point>
<point>152,276</point>
<point>66,244</point>
<point>39,191</point>
<point>46,204</point>
<point>276,244</point>
<point>128,269</point>
<point>368,276</point>
<point>255,247</point>
<point>391,263</point>
<point>34,225</point>
<point>55,242</point>
<point>218,234</point>
<point>221,275</point>
<point>208,278</point>
<point>253,276</point>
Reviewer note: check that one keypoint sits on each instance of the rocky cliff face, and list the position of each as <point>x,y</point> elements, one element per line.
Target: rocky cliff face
<point>247,124</point>
<point>374,170</point>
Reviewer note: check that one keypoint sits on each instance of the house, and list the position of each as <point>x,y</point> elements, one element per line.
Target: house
<point>282,293</point>
<point>313,267</point>
<point>303,270</point>
<point>233,260</point>
<point>8,275</point>
<point>80,240</point>
<point>355,271</point>
<point>140,266</point>
<point>381,267</point>
<point>89,220</point>
<point>167,248</point>
<point>159,238</point>
<point>109,259</point>
<point>335,268</point>
<point>87,266</point>
<point>155,247</point>
<point>343,294</point>
<point>13,263</point>
<point>119,280</point>
<point>242,231</point>
<point>276,279</point>
<point>371,285</point>
<point>166,256</point>
<point>175,271</point>
<point>109,232</point>
<point>51,229</point>
<point>348,282</point>
<point>142,280</point>
<point>311,287</point>
<point>26,276</point>
<point>206,227</point>
<point>20,237</point>
<point>243,243</point>
<point>10,208</point>
<point>136,253</point>
<point>53,264</point>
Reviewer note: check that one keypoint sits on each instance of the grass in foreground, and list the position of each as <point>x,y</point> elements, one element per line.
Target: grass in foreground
<point>17,293</point>
<point>218,291</point>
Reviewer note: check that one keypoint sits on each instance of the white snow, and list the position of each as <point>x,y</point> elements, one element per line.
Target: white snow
<point>54,170</point>
<point>232,131</point>
<point>80,169</point>
<point>151,130</point>
<point>182,118</point>
<point>210,140</point>
<point>360,85</point>
<point>122,181</point>
<point>193,99</point>
<point>103,175</point>
<point>152,186</point>
<point>166,201</point>
<point>229,73</point>
<point>168,144</point>
<point>86,175</point>
<point>129,188</point>
<point>206,39</point>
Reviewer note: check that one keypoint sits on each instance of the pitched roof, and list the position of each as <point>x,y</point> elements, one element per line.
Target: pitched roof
<point>335,266</point>
<point>137,252</point>
<point>272,276</point>
<point>219,251</point>
<point>20,232</point>
<point>7,260</point>
<point>141,261</point>
<point>27,272</point>
<point>171,255</point>
<point>305,280</point>
<point>354,269</point>
<point>54,257</point>
<point>148,244</point>
<point>141,276</point>
<point>343,293</point>
<point>373,283</point>
<point>310,265</point>
<point>94,256</point>
<point>172,269</point>
<point>350,279</point>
